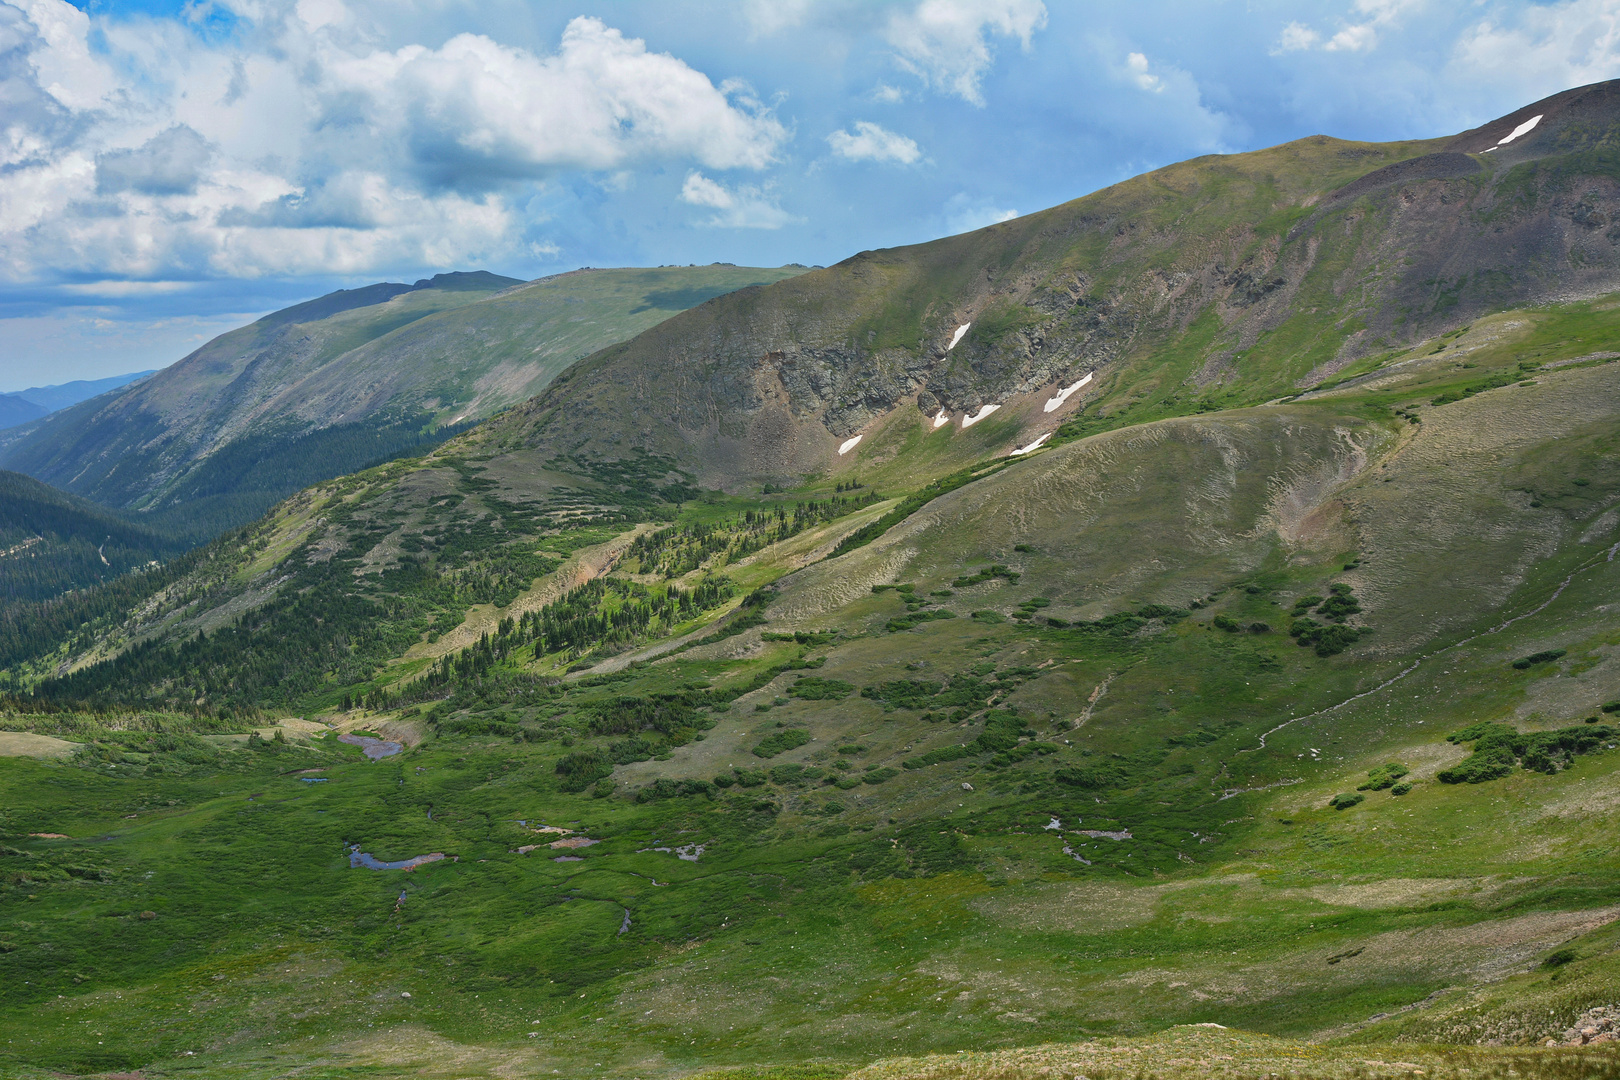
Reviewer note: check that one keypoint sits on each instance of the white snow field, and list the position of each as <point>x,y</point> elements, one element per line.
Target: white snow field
<point>1063,394</point>
<point>1523,129</point>
<point>969,421</point>
<point>847,445</point>
<point>942,419</point>
<point>1032,446</point>
<point>960,330</point>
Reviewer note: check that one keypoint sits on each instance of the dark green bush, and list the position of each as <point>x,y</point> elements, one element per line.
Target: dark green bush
<point>786,739</point>
<point>988,573</point>
<point>1384,776</point>
<point>1499,748</point>
<point>1346,801</point>
<point>582,769</point>
<point>816,688</point>
<point>1546,656</point>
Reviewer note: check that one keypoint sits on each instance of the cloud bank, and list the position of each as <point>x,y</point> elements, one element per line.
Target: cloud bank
<point>139,150</point>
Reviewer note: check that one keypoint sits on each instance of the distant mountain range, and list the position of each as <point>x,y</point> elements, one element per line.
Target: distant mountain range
<point>21,406</point>
<point>326,387</point>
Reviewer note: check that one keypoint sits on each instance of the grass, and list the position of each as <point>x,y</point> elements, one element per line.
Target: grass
<point>831,924</point>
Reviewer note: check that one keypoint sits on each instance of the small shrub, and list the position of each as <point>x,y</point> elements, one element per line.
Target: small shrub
<point>1384,776</point>
<point>990,618</point>
<point>1230,625</point>
<point>1546,656</point>
<point>1346,801</point>
<point>750,778</point>
<point>1259,628</point>
<point>1401,788</point>
<point>988,573</point>
<point>878,776</point>
<point>580,770</point>
<point>816,688</point>
<point>786,739</point>
<point>1560,958</point>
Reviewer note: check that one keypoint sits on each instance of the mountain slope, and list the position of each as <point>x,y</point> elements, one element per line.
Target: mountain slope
<point>328,386</point>
<point>51,542</point>
<point>1215,282</point>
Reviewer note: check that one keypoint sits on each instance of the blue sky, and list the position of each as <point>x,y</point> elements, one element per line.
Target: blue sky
<point>169,170</point>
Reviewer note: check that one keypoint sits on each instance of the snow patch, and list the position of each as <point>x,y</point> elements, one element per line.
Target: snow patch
<point>942,419</point>
<point>1063,394</point>
<point>1523,129</point>
<point>847,445</point>
<point>960,330</point>
<point>1032,446</point>
<point>969,421</point>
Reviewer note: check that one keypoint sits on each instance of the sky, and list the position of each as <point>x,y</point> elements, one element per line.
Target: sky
<point>170,169</point>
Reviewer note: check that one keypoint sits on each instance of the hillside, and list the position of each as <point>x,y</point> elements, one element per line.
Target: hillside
<point>329,386</point>
<point>51,542</point>
<point>1290,708</point>
<point>1213,283</point>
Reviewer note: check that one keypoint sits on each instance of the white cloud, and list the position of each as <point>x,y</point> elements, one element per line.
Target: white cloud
<point>1359,38</point>
<point>743,208</point>
<point>943,42</point>
<point>296,146</point>
<point>767,17</point>
<point>1137,63</point>
<point>870,142</point>
<point>1296,37</point>
<point>964,213</point>
<point>1353,36</point>
<point>1547,48</point>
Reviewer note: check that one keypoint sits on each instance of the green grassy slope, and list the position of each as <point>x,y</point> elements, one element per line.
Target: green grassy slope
<point>1213,283</point>
<point>882,797</point>
<point>330,386</point>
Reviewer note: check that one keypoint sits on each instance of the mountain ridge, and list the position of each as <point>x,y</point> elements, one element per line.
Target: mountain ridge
<point>339,382</point>
<point>1223,261</point>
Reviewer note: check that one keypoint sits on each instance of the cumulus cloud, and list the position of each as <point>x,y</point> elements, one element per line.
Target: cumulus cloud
<point>945,42</point>
<point>170,163</point>
<point>871,142</point>
<point>296,146</point>
<point>964,213</point>
<point>1137,64</point>
<point>1354,36</point>
<point>1546,48</point>
<point>740,208</point>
